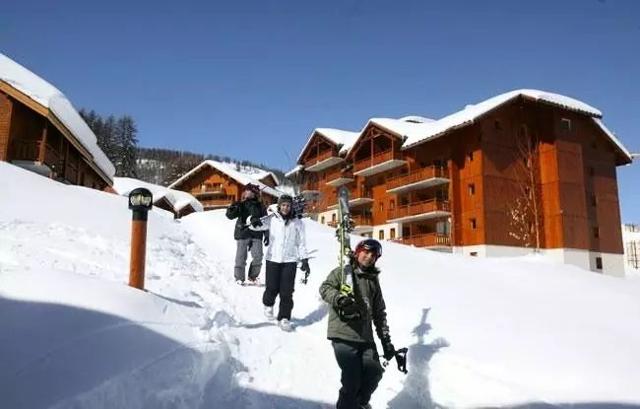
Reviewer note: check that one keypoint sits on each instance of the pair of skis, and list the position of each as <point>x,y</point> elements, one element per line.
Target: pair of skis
<point>297,210</point>
<point>345,226</point>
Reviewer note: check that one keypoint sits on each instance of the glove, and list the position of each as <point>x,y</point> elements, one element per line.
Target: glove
<point>388,349</point>
<point>255,222</point>
<point>401,359</point>
<point>348,309</point>
<point>265,239</point>
<point>305,266</point>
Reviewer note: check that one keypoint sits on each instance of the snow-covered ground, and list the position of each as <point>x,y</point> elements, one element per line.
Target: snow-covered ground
<point>480,332</point>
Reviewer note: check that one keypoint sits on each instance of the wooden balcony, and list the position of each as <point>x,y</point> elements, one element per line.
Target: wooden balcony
<point>210,191</point>
<point>323,161</point>
<point>426,240</point>
<point>377,163</point>
<point>339,177</point>
<point>309,187</point>
<point>215,203</point>
<point>428,209</point>
<point>418,179</point>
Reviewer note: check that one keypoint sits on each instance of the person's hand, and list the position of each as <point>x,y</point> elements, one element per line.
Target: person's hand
<point>401,359</point>
<point>255,222</point>
<point>348,307</point>
<point>305,266</point>
<point>265,239</point>
<point>388,350</point>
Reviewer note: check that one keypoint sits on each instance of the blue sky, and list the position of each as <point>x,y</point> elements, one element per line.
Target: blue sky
<point>251,79</point>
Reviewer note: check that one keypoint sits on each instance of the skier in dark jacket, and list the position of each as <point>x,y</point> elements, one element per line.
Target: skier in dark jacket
<point>249,207</point>
<point>350,328</point>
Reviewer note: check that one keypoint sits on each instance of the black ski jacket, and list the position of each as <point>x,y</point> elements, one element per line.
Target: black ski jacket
<point>240,211</point>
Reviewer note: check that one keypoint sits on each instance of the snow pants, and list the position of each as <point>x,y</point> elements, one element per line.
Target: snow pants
<point>280,280</point>
<point>361,372</point>
<point>242,249</point>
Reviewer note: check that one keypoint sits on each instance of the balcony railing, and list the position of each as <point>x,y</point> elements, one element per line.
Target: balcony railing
<point>376,160</point>
<point>360,193</point>
<point>418,175</point>
<point>210,191</point>
<point>216,202</point>
<point>339,177</point>
<point>322,156</point>
<point>362,219</point>
<point>426,240</point>
<point>413,209</point>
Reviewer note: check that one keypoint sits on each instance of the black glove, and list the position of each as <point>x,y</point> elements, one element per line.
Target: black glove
<point>265,239</point>
<point>305,266</point>
<point>401,359</point>
<point>348,308</point>
<point>388,350</point>
<point>255,222</point>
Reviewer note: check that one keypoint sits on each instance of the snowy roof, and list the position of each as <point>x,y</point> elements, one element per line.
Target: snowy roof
<point>425,131</point>
<point>177,198</point>
<point>48,96</point>
<point>344,139</point>
<point>415,119</point>
<point>230,171</point>
<point>416,133</point>
<point>294,171</point>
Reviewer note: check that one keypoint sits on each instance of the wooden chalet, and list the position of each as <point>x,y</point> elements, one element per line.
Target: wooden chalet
<point>41,131</point>
<point>455,184</point>
<point>216,185</point>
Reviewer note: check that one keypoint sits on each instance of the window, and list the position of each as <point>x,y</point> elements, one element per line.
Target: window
<point>565,124</point>
<point>472,189</point>
<point>381,234</point>
<point>596,232</point>
<point>392,233</point>
<point>497,125</point>
<point>470,156</point>
<point>599,263</point>
<point>333,217</point>
<point>474,254</point>
<point>322,220</point>
<point>594,200</point>
<point>392,204</point>
<point>381,206</point>
<point>472,223</point>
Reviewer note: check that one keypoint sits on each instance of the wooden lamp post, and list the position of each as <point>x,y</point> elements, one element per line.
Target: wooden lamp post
<point>140,202</point>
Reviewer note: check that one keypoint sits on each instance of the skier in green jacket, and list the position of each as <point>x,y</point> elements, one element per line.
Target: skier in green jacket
<point>350,328</point>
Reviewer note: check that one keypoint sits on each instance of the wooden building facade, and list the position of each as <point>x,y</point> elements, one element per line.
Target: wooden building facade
<point>216,185</point>
<point>524,173</point>
<point>35,137</point>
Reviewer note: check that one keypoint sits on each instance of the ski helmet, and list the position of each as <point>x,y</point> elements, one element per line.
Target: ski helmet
<point>371,245</point>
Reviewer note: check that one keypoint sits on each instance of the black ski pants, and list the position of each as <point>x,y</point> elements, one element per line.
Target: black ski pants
<point>281,278</point>
<point>361,372</point>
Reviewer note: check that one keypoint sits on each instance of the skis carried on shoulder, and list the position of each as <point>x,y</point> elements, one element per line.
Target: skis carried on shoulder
<point>297,209</point>
<point>345,226</point>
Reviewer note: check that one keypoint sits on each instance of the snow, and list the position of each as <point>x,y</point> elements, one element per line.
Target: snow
<point>177,198</point>
<point>53,99</point>
<point>480,332</point>
<point>230,170</point>
<point>344,139</point>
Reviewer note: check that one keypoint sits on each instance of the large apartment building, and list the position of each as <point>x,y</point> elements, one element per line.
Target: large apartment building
<point>526,170</point>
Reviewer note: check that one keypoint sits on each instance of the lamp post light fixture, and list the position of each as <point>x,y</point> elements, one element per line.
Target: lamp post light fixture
<point>140,202</point>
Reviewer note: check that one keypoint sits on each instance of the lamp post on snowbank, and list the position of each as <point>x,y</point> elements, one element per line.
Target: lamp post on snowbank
<point>140,202</point>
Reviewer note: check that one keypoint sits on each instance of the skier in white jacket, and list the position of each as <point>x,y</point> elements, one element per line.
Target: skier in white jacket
<point>287,246</point>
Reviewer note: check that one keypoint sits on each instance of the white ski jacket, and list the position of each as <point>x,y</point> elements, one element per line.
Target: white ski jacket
<point>287,241</point>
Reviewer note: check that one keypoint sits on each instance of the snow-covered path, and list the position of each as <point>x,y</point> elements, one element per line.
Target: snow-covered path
<point>480,332</point>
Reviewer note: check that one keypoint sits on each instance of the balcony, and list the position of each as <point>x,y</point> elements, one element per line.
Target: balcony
<point>209,204</point>
<point>363,223</point>
<point>323,161</point>
<point>339,177</point>
<point>428,209</point>
<point>429,240</point>
<point>310,188</point>
<point>418,179</point>
<point>210,191</point>
<point>357,196</point>
<point>378,163</point>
